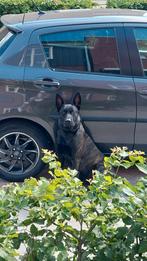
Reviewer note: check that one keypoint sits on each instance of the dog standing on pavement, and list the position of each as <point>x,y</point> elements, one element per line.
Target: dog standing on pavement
<point>74,147</point>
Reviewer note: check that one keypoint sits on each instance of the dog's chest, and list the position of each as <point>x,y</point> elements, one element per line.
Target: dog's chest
<point>66,139</point>
<point>74,141</point>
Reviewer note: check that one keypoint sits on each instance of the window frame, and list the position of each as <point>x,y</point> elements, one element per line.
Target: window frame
<point>123,56</point>
<point>135,60</point>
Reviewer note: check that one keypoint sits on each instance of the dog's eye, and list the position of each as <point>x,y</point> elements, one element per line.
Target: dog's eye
<point>64,112</point>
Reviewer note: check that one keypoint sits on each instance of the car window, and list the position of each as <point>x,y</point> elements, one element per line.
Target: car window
<point>88,50</point>
<point>3,32</point>
<point>35,57</point>
<point>141,40</point>
<point>6,38</point>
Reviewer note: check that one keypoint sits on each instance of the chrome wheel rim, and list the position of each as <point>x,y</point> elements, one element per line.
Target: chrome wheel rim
<point>19,153</point>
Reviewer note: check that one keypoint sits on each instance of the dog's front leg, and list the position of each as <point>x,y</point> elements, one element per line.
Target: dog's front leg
<point>76,163</point>
<point>77,150</point>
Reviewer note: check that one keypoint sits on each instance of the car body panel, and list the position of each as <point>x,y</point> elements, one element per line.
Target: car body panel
<point>106,107</point>
<point>140,81</point>
<point>34,20</point>
<point>14,99</point>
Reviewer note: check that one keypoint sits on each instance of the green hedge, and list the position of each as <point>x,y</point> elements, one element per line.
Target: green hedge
<point>65,221</point>
<point>21,6</point>
<point>131,4</point>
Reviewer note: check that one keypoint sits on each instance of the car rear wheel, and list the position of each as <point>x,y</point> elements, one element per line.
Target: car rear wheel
<point>20,151</point>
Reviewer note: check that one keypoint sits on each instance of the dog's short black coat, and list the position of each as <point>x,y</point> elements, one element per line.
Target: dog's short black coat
<point>74,147</point>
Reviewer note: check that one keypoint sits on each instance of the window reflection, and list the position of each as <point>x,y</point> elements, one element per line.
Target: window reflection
<point>92,50</point>
<point>30,56</point>
<point>141,40</point>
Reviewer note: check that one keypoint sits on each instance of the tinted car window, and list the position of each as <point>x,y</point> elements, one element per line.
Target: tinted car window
<point>30,56</point>
<point>6,38</point>
<point>141,40</point>
<point>90,50</point>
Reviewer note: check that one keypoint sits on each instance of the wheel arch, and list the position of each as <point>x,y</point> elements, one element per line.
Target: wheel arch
<point>42,125</point>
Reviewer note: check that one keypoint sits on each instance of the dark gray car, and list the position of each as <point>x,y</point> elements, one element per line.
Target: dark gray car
<point>100,53</point>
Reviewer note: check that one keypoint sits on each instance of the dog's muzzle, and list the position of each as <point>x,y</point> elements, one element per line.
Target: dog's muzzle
<point>68,123</point>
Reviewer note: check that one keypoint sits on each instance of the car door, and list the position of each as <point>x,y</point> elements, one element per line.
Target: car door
<point>90,59</point>
<point>137,43</point>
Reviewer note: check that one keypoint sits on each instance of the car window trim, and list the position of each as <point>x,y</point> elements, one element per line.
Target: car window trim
<point>123,52</point>
<point>135,61</point>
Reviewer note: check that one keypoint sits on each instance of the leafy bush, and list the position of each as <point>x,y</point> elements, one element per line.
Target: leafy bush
<point>22,6</point>
<point>66,221</point>
<point>121,157</point>
<point>131,4</point>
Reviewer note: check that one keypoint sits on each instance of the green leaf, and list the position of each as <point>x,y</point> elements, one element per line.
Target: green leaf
<point>6,256</point>
<point>142,220</point>
<point>62,256</point>
<point>126,164</point>
<point>3,254</point>
<point>16,242</point>
<point>68,204</point>
<point>41,232</point>
<point>129,185</point>
<point>27,222</point>
<point>34,230</point>
<point>130,239</point>
<point>143,246</point>
<point>23,236</point>
<point>124,154</point>
<point>142,167</point>
<point>48,197</point>
<point>108,179</point>
<point>141,159</point>
<point>116,163</point>
<point>128,220</point>
<point>128,191</point>
<point>132,159</point>
<point>32,182</point>
<point>70,229</point>
<point>121,232</point>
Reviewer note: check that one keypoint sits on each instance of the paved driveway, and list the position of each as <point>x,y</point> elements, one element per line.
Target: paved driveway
<point>132,175</point>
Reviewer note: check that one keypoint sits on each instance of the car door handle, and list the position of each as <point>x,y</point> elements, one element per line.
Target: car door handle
<point>46,82</point>
<point>143,92</point>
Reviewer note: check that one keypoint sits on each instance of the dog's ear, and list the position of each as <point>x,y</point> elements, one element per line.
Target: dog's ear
<point>59,102</point>
<point>77,100</point>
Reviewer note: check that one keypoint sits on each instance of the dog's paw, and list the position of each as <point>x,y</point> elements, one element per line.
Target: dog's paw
<point>100,167</point>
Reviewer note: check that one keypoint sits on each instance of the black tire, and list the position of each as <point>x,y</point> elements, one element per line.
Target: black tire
<point>20,151</point>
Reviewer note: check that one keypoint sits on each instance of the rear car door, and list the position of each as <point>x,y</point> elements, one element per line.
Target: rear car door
<point>88,59</point>
<point>137,43</point>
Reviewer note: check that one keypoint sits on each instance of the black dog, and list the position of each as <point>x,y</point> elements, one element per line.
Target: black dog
<point>74,147</point>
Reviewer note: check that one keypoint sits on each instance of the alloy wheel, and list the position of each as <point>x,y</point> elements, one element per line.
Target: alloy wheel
<point>19,153</point>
